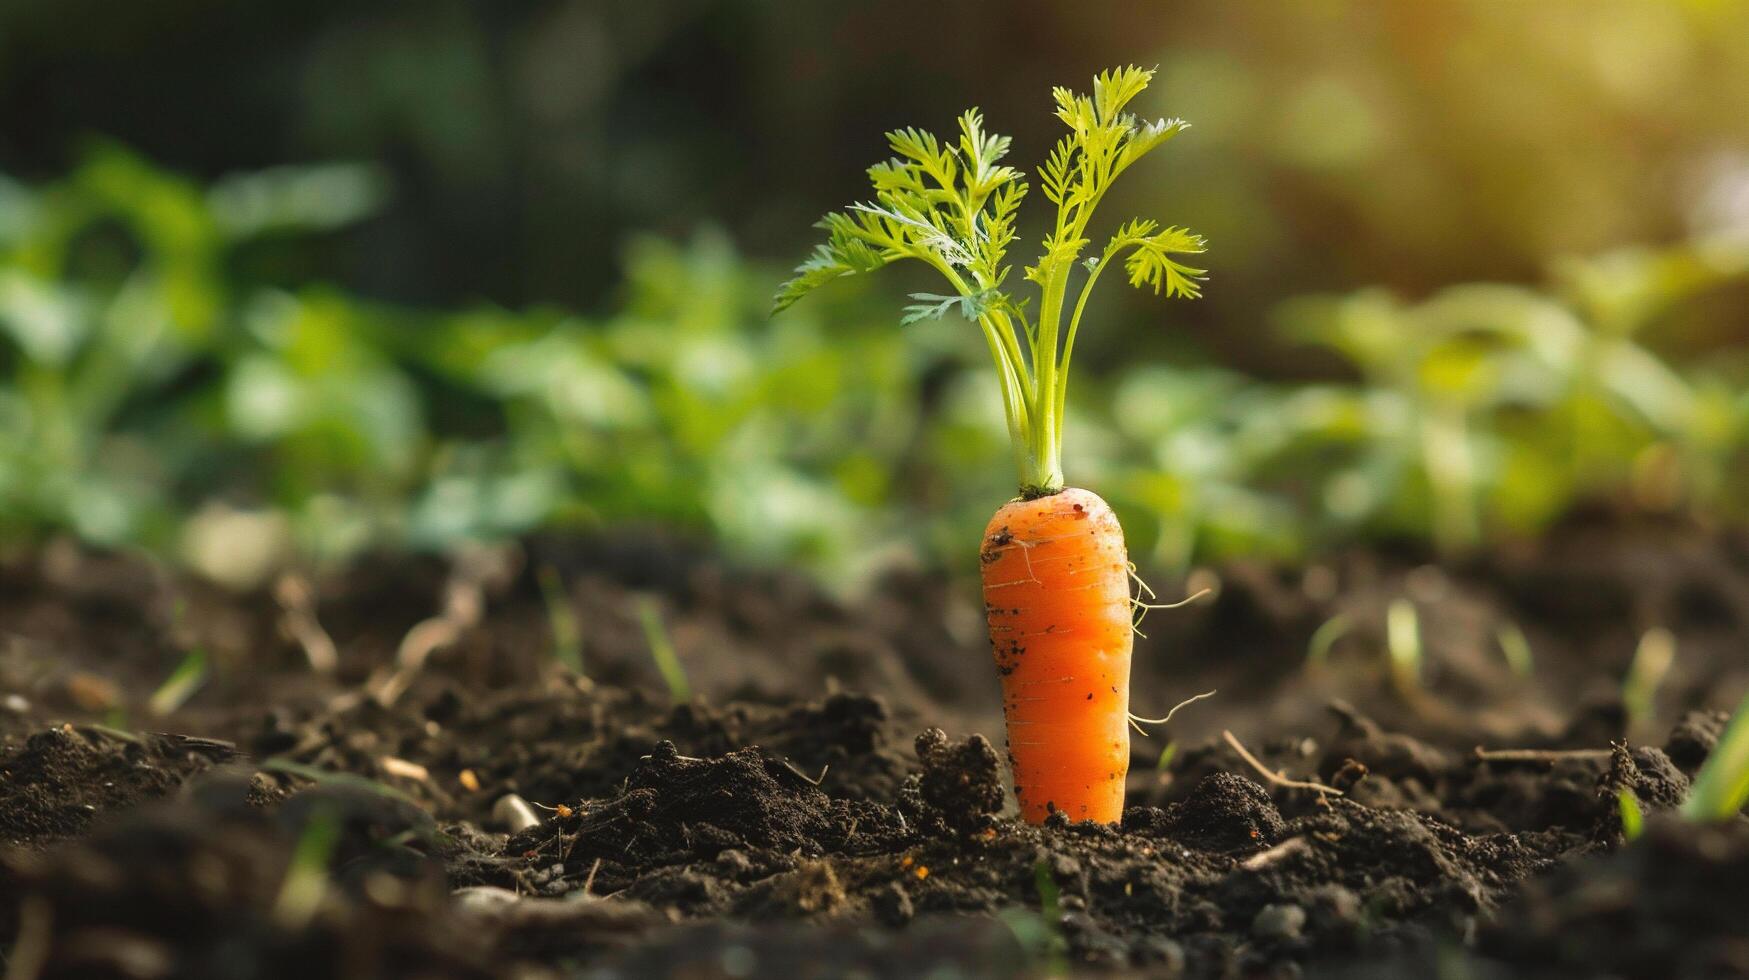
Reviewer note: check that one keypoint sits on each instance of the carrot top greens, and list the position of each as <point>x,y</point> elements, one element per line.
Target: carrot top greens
<point>953,206</point>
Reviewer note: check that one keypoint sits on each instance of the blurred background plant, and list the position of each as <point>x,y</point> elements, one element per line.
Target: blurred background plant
<point>1476,265</point>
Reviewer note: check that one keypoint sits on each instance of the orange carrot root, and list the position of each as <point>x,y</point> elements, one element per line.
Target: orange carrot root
<point>1057,597</point>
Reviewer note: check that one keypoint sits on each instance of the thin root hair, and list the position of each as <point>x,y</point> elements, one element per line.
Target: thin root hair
<point>1142,608</point>
<point>1136,721</point>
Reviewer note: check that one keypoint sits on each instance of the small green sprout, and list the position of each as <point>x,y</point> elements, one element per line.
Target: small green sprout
<point>183,682</point>
<point>1050,910</point>
<point>1403,642</point>
<point>1515,647</point>
<point>1167,754</point>
<point>1324,638</point>
<point>1652,660</point>
<point>1633,822</point>
<point>1722,786</point>
<point>561,620</point>
<point>116,717</point>
<point>186,679</point>
<point>306,877</point>
<point>662,650</point>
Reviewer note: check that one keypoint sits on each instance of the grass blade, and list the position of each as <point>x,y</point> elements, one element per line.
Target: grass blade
<point>1050,909</point>
<point>1722,786</point>
<point>1167,754</point>
<point>1633,822</point>
<point>1652,660</point>
<point>183,682</point>
<point>562,620</point>
<point>662,650</point>
<point>306,877</point>
<point>1515,647</point>
<point>1403,641</point>
<point>1325,637</point>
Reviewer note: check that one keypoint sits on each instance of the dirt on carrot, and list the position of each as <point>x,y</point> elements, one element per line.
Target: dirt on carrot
<point>1057,600</point>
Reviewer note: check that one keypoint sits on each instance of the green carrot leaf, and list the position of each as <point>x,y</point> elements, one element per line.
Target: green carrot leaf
<point>1151,263</point>
<point>952,204</point>
<point>933,307</point>
<point>821,268</point>
<point>1112,90</point>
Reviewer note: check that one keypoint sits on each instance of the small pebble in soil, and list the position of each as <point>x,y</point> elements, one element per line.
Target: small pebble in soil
<point>1333,908</point>
<point>1279,923</point>
<point>514,813</point>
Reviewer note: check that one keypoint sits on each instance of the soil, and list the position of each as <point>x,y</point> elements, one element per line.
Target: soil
<point>449,799</point>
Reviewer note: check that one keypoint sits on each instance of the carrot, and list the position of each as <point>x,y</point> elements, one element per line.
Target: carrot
<point>1056,584</point>
<point>1057,596</point>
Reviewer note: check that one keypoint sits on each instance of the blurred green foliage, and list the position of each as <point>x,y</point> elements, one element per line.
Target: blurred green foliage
<point>1338,144</point>
<point>158,389</point>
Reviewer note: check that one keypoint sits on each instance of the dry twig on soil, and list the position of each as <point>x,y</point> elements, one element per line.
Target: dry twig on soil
<point>1275,777</point>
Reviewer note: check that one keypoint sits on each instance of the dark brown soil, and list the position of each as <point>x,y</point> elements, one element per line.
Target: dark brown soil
<point>823,805</point>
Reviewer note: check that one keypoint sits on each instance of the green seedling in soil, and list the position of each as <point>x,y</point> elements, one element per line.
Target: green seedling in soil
<point>1324,638</point>
<point>1043,936</point>
<point>561,620</point>
<point>1633,821</point>
<point>181,685</point>
<point>1167,754</point>
<point>116,717</point>
<point>662,651</point>
<point>345,780</point>
<point>1515,647</point>
<point>952,205</point>
<point>1652,660</point>
<point>186,679</point>
<point>1403,643</point>
<point>1721,788</point>
<point>306,877</point>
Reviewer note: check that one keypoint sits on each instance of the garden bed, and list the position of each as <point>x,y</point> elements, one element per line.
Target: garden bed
<point>823,801</point>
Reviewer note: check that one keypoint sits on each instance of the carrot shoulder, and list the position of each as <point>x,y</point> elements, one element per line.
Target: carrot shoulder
<point>1056,593</point>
